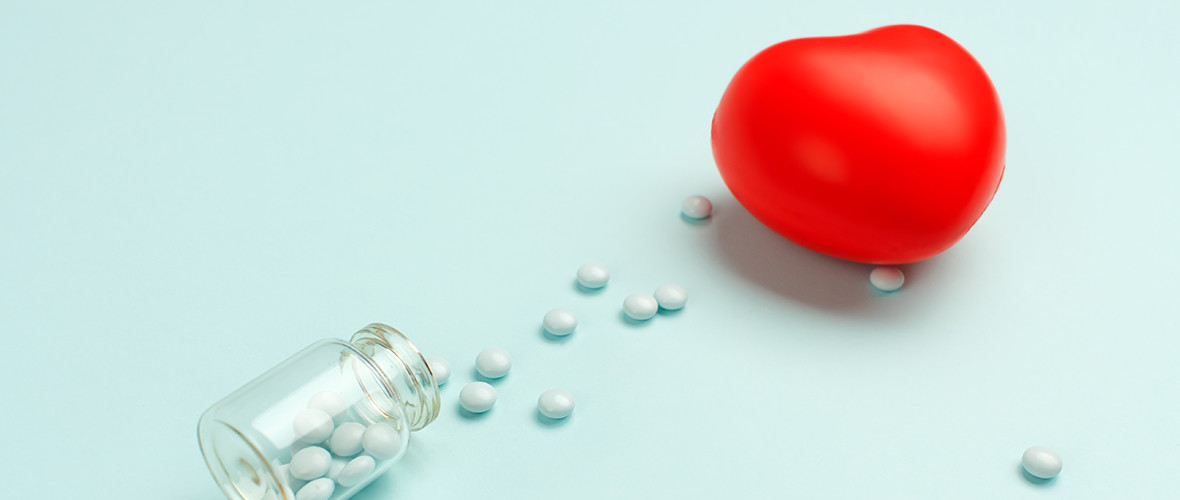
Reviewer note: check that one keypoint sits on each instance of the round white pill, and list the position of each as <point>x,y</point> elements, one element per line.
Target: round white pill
<point>592,275</point>
<point>493,362</point>
<point>329,402</point>
<point>313,426</point>
<point>381,441</point>
<point>440,368</point>
<point>281,471</point>
<point>640,306</point>
<point>310,463</point>
<point>337,466</point>
<point>356,471</point>
<point>1041,462</point>
<point>886,278</point>
<point>671,297</point>
<point>697,207</point>
<point>477,397</point>
<point>556,403</point>
<point>346,439</point>
<point>560,321</point>
<point>320,489</point>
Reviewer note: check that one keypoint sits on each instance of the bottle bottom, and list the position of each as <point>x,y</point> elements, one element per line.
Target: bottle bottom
<point>238,466</point>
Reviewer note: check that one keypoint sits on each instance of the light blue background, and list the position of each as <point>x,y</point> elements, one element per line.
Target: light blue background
<point>189,193</point>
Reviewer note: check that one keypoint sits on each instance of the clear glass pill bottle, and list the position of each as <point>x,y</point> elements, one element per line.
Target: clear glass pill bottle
<point>357,401</point>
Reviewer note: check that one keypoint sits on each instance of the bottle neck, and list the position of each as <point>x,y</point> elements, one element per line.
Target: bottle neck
<point>404,371</point>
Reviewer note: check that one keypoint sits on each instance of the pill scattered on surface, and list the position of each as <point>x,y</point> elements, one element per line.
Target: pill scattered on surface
<point>356,471</point>
<point>560,321</point>
<point>320,489</point>
<point>671,297</point>
<point>477,397</point>
<point>592,275</point>
<point>310,463</point>
<point>346,439</point>
<point>886,278</point>
<point>493,362</point>
<point>640,306</point>
<point>313,426</point>
<point>381,441</point>
<point>697,207</point>
<point>440,368</point>
<point>329,402</point>
<point>556,403</point>
<point>1041,462</point>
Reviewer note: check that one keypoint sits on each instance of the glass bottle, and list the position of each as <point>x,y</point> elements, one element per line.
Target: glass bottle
<point>376,380</point>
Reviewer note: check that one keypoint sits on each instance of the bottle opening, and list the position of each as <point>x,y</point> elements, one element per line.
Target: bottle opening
<point>408,374</point>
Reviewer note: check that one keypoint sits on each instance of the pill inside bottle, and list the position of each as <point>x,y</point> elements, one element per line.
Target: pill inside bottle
<point>324,423</point>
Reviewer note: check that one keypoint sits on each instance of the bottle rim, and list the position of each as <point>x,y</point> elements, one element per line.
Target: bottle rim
<point>423,401</point>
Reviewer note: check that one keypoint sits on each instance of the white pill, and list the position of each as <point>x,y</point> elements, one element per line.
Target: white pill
<point>477,397</point>
<point>337,466</point>
<point>671,297</point>
<point>1041,462</point>
<point>346,439</point>
<point>560,321</point>
<point>320,489</point>
<point>299,445</point>
<point>592,275</point>
<point>356,471</point>
<point>310,463</point>
<point>281,471</point>
<point>381,441</point>
<point>697,207</point>
<point>493,362</point>
<point>313,426</point>
<point>640,306</point>
<point>329,402</point>
<point>556,403</point>
<point>886,278</point>
<point>440,368</point>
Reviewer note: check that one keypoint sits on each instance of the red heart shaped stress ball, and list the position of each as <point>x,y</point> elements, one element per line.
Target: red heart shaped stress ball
<point>883,147</point>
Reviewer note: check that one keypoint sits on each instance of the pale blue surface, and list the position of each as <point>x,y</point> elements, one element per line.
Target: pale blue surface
<point>189,194</point>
